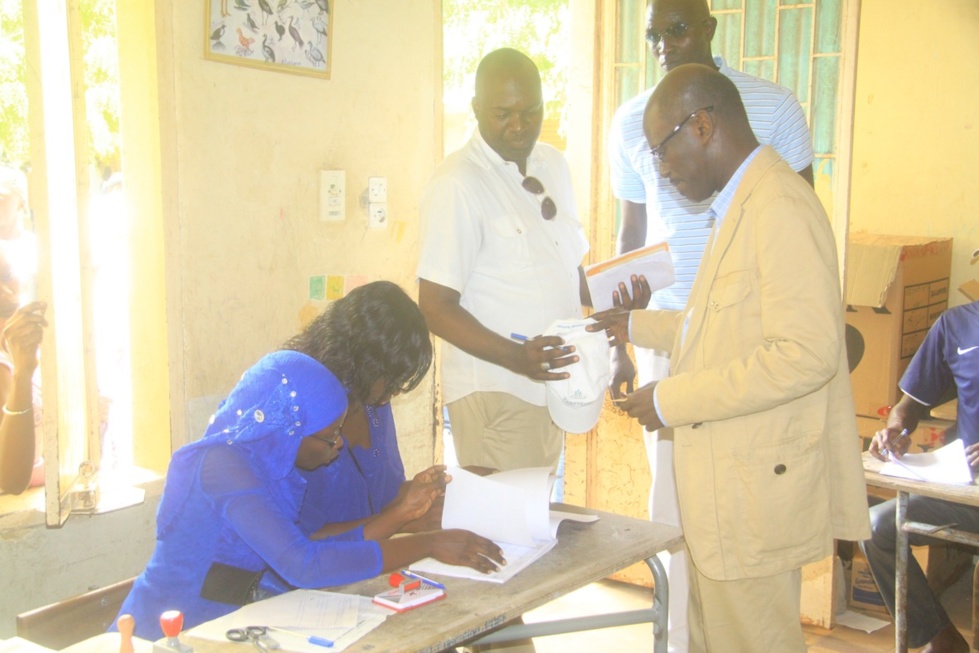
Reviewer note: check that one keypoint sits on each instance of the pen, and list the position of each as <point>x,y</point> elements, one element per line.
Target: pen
<point>312,639</point>
<point>411,574</point>
<point>520,337</point>
<point>900,436</point>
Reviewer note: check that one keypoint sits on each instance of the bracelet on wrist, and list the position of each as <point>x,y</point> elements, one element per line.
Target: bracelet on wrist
<point>14,413</point>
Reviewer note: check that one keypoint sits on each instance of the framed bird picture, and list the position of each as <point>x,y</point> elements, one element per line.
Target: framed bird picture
<point>291,36</point>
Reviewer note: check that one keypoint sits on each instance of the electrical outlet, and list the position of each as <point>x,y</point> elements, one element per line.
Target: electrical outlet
<point>333,195</point>
<point>378,215</point>
<point>377,189</point>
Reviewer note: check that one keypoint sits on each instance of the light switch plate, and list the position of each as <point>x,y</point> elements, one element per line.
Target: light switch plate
<point>377,189</point>
<point>333,195</point>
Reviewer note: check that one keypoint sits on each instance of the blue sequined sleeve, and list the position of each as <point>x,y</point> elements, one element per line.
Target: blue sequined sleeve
<point>259,518</point>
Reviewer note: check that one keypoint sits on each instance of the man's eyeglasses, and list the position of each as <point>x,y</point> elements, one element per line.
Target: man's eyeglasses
<point>675,31</point>
<point>548,209</point>
<point>658,150</point>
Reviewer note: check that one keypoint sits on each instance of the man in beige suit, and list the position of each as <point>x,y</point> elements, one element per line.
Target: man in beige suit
<point>766,451</point>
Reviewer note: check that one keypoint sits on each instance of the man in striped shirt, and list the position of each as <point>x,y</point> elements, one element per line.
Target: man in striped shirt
<point>679,32</point>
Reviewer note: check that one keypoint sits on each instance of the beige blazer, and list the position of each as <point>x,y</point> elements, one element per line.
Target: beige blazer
<point>766,450</point>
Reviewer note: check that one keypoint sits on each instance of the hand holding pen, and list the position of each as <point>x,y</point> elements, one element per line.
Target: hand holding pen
<point>890,442</point>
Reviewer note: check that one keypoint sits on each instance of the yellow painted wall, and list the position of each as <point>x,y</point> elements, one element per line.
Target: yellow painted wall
<point>916,126</point>
<point>240,150</point>
<point>246,235</point>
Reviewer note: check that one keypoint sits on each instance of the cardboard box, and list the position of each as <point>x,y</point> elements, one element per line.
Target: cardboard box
<point>896,287</point>
<point>929,435</point>
<point>863,593</point>
<point>970,289</point>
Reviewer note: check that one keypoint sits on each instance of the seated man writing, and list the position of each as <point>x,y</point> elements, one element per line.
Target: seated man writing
<point>949,356</point>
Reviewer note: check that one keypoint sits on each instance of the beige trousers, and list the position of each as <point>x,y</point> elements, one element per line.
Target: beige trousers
<point>750,615</point>
<point>495,429</point>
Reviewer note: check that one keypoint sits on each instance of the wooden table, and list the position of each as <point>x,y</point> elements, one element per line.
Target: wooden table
<point>584,553</point>
<point>965,494</point>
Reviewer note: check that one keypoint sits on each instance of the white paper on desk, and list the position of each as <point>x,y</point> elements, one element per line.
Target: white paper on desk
<point>326,614</point>
<point>18,645</point>
<point>511,508</point>
<point>945,465</point>
<point>653,262</point>
<point>518,558</point>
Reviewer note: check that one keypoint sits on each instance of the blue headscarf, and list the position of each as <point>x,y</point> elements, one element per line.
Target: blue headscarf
<point>283,398</point>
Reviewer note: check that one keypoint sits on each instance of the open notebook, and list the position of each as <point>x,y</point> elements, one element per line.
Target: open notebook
<point>511,508</point>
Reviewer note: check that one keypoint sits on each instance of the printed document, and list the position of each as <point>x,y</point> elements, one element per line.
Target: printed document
<point>511,508</point>
<point>340,618</point>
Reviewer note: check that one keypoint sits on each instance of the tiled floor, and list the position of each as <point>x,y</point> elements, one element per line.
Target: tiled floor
<point>609,596</point>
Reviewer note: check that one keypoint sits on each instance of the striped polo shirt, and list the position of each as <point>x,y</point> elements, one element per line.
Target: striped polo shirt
<point>777,120</point>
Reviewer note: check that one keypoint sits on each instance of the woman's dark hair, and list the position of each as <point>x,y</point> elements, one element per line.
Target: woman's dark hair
<point>374,333</point>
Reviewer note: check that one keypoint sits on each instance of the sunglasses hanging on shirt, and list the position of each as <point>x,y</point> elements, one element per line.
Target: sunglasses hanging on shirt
<point>548,209</point>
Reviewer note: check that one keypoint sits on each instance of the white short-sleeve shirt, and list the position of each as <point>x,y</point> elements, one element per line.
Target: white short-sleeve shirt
<point>777,119</point>
<point>483,235</point>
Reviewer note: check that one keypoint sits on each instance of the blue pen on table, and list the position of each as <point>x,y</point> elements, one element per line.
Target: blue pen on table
<point>411,574</point>
<point>312,639</point>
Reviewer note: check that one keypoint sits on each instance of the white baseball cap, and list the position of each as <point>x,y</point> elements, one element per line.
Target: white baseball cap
<point>576,402</point>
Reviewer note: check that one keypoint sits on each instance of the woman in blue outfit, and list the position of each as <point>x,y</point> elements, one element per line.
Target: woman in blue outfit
<point>228,523</point>
<point>368,474</point>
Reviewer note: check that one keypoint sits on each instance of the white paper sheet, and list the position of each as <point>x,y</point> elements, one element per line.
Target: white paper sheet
<point>858,621</point>
<point>511,508</point>
<point>653,261</point>
<point>342,618</point>
<point>945,465</point>
<point>507,507</point>
<point>518,558</point>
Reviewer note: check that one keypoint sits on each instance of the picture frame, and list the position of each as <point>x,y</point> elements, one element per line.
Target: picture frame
<point>293,36</point>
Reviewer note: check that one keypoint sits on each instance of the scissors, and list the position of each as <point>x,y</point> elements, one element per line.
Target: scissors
<point>257,635</point>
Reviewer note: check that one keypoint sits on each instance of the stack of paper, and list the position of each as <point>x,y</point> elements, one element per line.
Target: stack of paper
<point>511,508</point>
<point>653,262</point>
<point>340,618</point>
<point>946,465</point>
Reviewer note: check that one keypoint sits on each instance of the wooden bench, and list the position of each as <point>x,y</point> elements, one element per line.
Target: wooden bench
<point>70,621</point>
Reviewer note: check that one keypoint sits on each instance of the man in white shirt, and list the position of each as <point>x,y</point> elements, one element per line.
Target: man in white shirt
<point>653,211</point>
<point>500,261</point>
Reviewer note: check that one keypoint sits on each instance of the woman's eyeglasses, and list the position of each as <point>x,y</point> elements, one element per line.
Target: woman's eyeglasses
<point>548,209</point>
<point>332,442</point>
